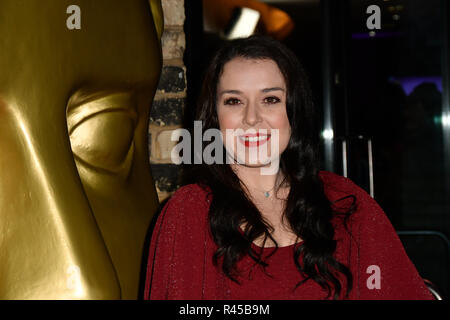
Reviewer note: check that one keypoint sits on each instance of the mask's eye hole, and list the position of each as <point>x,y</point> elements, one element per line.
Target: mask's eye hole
<point>101,131</point>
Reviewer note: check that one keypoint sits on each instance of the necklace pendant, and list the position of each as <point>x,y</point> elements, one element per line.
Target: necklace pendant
<point>266,194</point>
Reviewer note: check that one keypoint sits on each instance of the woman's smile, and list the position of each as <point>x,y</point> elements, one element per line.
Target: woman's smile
<point>254,140</point>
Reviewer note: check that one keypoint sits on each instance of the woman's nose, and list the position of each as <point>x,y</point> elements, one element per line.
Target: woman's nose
<point>252,114</point>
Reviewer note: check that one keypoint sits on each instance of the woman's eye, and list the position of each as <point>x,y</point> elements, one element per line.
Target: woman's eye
<point>232,101</point>
<point>271,100</point>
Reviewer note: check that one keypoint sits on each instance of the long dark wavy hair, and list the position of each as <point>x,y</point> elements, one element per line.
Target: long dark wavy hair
<point>307,210</point>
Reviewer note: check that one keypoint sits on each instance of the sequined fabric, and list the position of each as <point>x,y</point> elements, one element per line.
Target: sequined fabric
<point>180,259</point>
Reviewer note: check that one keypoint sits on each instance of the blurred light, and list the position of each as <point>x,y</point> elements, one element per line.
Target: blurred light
<point>396,17</point>
<point>410,83</point>
<point>437,120</point>
<point>372,33</point>
<point>244,25</point>
<point>328,134</point>
<point>446,120</point>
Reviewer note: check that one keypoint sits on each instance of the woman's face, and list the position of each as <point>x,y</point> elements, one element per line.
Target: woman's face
<point>251,108</point>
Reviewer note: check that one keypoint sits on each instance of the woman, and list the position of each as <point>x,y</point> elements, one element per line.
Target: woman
<point>294,233</point>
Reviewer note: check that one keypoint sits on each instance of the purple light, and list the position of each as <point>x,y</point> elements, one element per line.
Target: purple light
<point>410,83</point>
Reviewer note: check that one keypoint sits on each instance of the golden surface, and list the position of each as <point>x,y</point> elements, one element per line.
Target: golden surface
<point>76,192</point>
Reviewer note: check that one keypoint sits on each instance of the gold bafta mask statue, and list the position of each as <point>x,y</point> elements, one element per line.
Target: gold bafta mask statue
<point>76,192</point>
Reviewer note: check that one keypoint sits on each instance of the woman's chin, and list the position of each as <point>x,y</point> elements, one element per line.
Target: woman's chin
<point>254,164</point>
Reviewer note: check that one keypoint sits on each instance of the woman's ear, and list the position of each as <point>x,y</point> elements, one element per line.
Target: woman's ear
<point>158,16</point>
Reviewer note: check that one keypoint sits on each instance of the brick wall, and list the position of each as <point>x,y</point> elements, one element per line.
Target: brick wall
<point>167,111</point>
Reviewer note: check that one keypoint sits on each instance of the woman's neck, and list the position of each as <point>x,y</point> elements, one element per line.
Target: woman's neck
<point>261,186</point>
<point>271,207</point>
<point>252,178</point>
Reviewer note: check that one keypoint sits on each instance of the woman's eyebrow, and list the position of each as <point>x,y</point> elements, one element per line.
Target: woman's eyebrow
<point>230,91</point>
<point>263,90</point>
<point>272,89</point>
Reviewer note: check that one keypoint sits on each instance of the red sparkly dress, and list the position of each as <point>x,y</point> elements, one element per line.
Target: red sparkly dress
<point>180,259</point>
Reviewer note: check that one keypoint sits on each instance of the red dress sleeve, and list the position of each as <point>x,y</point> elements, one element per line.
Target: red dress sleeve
<point>176,251</point>
<point>380,266</point>
<point>162,243</point>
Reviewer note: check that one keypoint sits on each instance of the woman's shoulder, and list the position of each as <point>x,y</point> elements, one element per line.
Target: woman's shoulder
<point>185,211</point>
<point>346,195</point>
<point>337,187</point>
<point>191,191</point>
<point>364,212</point>
<point>191,197</point>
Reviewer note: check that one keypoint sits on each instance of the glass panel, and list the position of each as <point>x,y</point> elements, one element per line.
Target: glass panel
<point>395,99</point>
